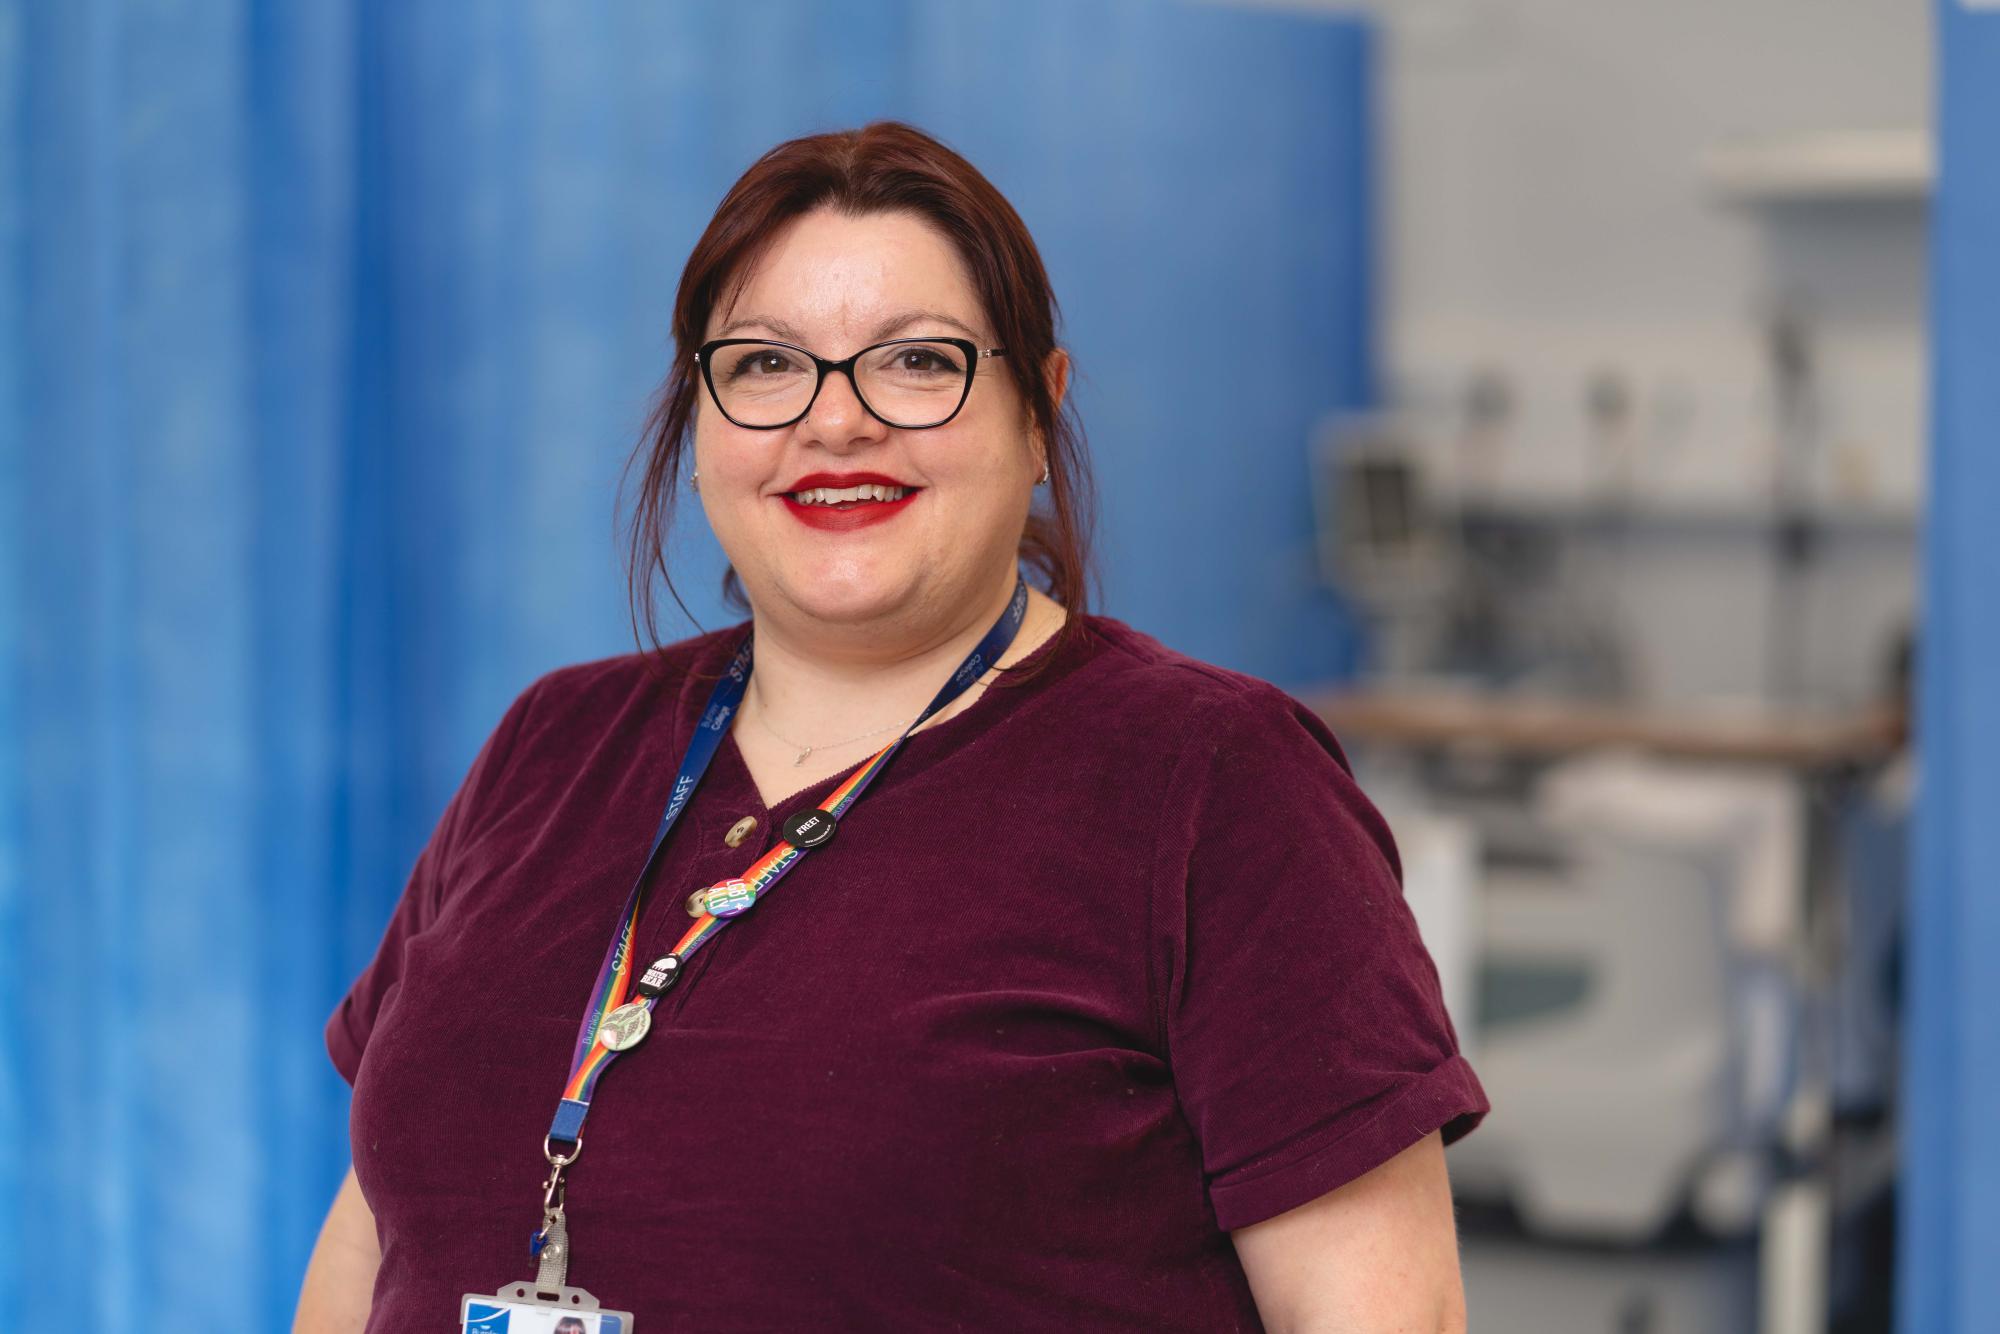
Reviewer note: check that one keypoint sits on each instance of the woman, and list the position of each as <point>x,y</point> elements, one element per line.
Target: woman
<point>1102,1011</point>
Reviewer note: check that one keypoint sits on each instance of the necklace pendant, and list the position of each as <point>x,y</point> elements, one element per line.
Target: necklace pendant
<point>802,757</point>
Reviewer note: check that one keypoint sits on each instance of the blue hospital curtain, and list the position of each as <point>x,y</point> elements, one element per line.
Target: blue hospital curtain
<point>325,331</point>
<point>1947,1280</point>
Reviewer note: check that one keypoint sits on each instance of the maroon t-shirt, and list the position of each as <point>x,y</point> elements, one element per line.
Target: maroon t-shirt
<point>1111,962</point>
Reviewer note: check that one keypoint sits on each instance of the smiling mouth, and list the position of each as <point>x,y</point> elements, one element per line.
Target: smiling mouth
<point>841,497</point>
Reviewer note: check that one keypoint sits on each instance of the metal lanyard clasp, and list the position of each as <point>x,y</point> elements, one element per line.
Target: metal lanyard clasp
<point>550,1246</point>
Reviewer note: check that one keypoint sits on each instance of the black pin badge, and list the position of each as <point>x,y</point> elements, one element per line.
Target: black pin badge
<point>660,975</point>
<point>808,829</point>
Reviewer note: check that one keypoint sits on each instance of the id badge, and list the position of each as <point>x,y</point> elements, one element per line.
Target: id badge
<point>519,1309</point>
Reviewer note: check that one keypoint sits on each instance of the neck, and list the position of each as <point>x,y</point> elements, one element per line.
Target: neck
<point>819,687</point>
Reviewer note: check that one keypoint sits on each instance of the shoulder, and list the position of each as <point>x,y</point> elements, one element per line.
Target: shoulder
<point>1245,760</point>
<point>1216,710</point>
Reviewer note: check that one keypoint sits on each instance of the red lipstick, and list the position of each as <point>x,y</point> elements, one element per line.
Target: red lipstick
<point>847,515</point>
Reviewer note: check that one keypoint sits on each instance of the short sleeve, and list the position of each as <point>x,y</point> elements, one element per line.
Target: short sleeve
<point>353,1019</point>
<point>1303,1017</point>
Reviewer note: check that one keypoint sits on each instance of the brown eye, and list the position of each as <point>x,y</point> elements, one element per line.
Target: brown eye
<point>918,363</point>
<point>766,362</point>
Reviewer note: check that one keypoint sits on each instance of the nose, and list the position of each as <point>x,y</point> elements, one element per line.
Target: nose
<point>837,420</point>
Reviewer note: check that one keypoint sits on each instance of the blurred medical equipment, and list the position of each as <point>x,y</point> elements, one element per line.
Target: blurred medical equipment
<point>1381,540</point>
<point>1649,919</point>
<point>1660,964</point>
<point>1451,586</point>
<point>1637,1029</point>
<point>1795,529</point>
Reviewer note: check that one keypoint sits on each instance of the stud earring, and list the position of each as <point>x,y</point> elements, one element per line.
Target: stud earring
<point>1045,476</point>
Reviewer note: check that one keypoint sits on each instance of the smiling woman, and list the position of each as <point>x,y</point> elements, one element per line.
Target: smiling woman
<point>785,500</point>
<point>1103,1011</point>
<point>863,239</point>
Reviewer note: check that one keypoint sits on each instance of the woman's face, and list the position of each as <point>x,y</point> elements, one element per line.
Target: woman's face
<point>834,284</point>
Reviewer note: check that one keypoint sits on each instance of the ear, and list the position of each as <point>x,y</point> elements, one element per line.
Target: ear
<point>1055,371</point>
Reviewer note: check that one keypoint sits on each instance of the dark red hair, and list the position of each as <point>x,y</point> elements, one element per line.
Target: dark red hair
<point>887,167</point>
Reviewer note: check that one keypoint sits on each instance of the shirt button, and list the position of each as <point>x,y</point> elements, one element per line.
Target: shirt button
<point>739,831</point>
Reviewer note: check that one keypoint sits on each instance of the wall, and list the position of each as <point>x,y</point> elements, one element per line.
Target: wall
<point>1546,220</point>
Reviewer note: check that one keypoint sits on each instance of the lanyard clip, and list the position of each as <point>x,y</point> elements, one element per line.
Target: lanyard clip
<point>552,1189</point>
<point>550,1245</point>
<point>552,1194</point>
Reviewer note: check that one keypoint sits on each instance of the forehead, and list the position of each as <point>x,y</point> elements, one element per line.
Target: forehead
<point>833,275</point>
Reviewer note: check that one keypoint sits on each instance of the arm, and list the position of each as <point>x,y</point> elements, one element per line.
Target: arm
<point>340,1277</point>
<point>1378,1255</point>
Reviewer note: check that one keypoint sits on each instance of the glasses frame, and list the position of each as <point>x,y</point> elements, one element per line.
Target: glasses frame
<point>972,352</point>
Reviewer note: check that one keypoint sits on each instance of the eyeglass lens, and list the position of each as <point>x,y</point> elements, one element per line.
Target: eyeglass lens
<point>905,384</point>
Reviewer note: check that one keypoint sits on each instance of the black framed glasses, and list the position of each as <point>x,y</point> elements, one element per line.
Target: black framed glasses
<point>908,383</point>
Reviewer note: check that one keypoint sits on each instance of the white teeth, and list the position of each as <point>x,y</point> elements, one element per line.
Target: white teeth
<point>834,495</point>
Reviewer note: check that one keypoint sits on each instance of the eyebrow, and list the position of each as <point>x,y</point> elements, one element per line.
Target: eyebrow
<point>887,329</point>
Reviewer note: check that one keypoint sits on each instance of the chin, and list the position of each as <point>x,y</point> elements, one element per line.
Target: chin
<point>846,600</point>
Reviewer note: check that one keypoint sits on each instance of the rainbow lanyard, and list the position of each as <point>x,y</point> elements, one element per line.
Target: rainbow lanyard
<point>616,1020</point>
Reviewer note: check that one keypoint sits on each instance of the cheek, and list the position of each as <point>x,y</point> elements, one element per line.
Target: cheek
<point>988,488</point>
<point>992,456</point>
<point>732,459</point>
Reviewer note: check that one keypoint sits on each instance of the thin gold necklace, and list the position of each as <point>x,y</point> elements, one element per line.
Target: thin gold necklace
<point>804,750</point>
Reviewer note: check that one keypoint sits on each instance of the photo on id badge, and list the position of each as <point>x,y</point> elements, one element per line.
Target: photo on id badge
<point>491,1315</point>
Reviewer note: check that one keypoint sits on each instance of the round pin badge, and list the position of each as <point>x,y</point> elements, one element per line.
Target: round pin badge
<point>624,1026</point>
<point>731,898</point>
<point>808,829</point>
<point>662,973</point>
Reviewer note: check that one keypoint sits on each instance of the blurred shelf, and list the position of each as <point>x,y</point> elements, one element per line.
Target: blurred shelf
<point>1430,717</point>
<point>1690,513</point>
<point>1852,166</point>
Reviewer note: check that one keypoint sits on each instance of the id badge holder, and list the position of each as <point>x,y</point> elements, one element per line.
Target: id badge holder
<point>519,1309</point>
